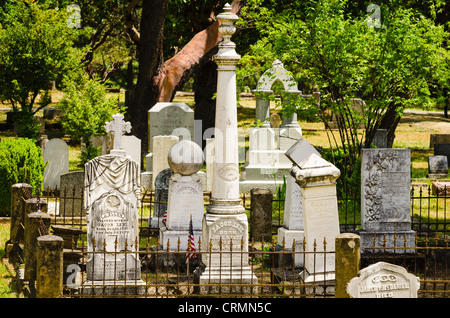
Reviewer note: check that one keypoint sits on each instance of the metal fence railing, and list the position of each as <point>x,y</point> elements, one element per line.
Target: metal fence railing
<point>273,265</point>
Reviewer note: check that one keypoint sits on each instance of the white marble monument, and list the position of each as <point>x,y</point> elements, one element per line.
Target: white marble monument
<point>185,201</point>
<point>225,220</point>
<point>56,157</point>
<point>266,164</point>
<point>317,180</point>
<point>111,200</point>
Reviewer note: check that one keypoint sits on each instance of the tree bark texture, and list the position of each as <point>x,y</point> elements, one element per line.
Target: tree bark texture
<point>158,80</point>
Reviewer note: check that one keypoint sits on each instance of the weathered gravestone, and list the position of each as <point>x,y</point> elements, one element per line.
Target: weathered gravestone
<point>380,138</point>
<point>440,188</point>
<point>437,167</point>
<point>56,155</point>
<point>442,150</point>
<point>383,280</point>
<point>71,194</point>
<point>385,200</point>
<point>185,200</point>
<point>111,200</point>
<point>439,139</point>
<point>261,215</point>
<point>161,147</point>
<point>169,119</point>
<point>161,197</point>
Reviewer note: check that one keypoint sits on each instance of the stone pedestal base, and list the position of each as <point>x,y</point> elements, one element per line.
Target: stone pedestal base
<point>111,288</point>
<point>172,236</point>
<point>228,280</point>
<point>437,175</point>
<point>399,242</point>
<point>318,284</point>
<point>289,237</point>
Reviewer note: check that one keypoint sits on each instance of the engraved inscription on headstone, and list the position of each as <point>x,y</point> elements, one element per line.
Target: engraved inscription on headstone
<point>385,199</point>
<point>383,280</point>
<point>226,234</point>
<point>385,180</point>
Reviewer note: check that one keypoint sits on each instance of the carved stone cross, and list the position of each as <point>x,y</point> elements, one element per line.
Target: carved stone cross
<point>118,127</point>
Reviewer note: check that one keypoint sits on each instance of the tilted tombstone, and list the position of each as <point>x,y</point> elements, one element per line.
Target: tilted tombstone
<point>56,155</point>
<point>292,230</point>
<point>317,180</point>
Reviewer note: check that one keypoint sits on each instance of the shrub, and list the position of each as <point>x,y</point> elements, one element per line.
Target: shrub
<point>21,161</point>
<point>86,109</point>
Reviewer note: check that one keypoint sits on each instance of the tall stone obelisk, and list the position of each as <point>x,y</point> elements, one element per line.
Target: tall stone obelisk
<point>225,225</point>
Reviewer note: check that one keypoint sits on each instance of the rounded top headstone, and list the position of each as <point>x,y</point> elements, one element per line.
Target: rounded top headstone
<point>185,157</point>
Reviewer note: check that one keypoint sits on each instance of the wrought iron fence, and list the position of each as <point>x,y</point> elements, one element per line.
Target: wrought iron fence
<point>272,264</point>
<point>171,273</point>
<point>428,259</point>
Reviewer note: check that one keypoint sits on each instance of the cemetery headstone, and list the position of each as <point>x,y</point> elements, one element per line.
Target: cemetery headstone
<point>439,139</point>
<point>384,280</point>
<point>442,150</point>
<point>111,200</point>
<point>132,147</point>
<point>168,119</point>
<point>267,164</point>
<point>185,199</point>
<point>261,215</point>
<point>117,126</point>
<point>161,146</point>
<point>161,197</point>
<point>292,231</point>
<point>276,73</point>
<point>380,138</point>
<point>437,167</point>
<point>385,199</point>
<point>56,155</point>
<point>317,180</point>
<point>71,194</point>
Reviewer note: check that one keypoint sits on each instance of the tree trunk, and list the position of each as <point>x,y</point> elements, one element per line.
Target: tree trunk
<point>147,89</point>
<point>158,80</point>
<point>390,122</point>
<point>205,85</point>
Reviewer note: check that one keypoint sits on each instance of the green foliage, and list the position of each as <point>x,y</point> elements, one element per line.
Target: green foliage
<point>21,161</point>
<point>86,109</point>
<point>35,48</point>
<point>349,183</point>
<point>398,62</point>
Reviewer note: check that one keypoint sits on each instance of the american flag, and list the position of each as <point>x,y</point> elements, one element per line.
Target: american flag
<point>164,219</point>
<point>191,244</point>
